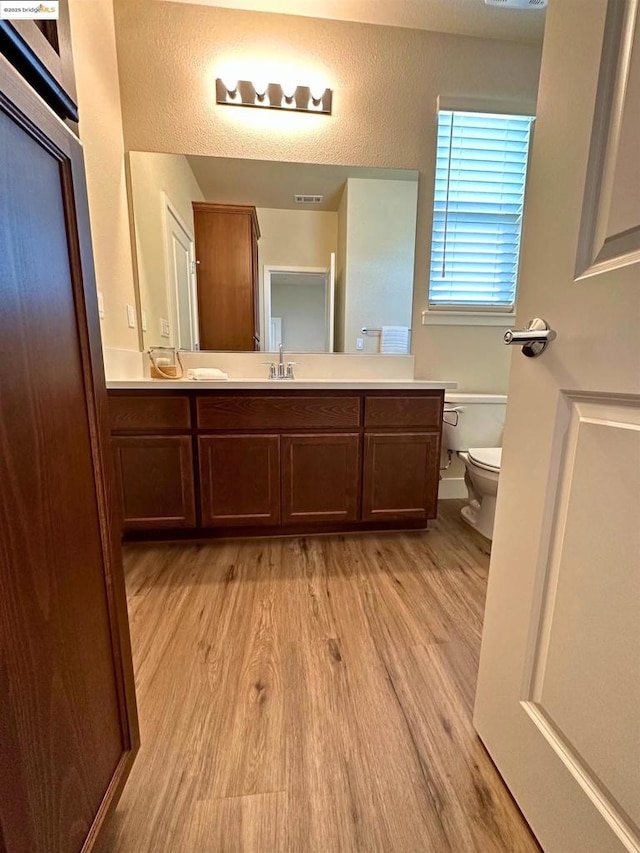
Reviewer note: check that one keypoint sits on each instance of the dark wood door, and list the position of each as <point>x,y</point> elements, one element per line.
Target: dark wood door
<point>226,251</point>
<point>320,477</point>
<point>239,480</point>
<point>68,730</point>
<point>155,481</point>
<point>400,476</point>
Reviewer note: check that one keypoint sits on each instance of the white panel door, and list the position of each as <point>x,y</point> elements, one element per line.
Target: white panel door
<point>181,281</point>
<point>558,700</point>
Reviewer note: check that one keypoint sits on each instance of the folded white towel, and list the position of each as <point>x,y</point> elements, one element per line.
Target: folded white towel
<point>207,374</point>
<point>394,339</point>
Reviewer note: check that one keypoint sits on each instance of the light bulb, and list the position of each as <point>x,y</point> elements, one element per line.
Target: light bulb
<point>288,94</point>
<point>260,86</point>
<point>231,85</point>
<point>316,91</point>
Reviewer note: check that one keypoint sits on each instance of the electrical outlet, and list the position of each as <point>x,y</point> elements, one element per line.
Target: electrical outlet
<point>131,316</point>
<point>100,305</point>
<point>359,343</point>
<point>165,329</point>
<point>143,320</point>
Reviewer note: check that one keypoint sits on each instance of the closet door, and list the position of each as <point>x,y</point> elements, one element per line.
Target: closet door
<point>68,730</point>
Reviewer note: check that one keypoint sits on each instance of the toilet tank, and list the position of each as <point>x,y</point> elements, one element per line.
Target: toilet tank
<point>480,420</point>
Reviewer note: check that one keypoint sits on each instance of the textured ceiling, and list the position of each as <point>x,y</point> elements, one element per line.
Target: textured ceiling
<point>264,183</point>
<point>463,17</point>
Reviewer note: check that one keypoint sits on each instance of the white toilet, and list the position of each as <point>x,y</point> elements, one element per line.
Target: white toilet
<point>477,439</point>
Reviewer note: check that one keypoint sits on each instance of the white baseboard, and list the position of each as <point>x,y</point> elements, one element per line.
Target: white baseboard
<point>452,487</point>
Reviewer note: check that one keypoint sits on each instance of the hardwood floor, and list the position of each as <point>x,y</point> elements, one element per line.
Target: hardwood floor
<point>312,694</point>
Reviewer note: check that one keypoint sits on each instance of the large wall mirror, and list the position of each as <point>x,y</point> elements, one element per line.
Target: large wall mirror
<point>250,254</point>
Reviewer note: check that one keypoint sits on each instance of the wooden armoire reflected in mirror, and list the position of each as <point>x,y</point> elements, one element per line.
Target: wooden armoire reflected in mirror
<point>227,276</point>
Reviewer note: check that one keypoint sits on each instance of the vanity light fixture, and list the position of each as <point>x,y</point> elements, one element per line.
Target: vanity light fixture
<point>278,96</point>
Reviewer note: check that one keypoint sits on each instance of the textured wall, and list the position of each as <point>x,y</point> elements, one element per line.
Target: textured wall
<point>94,52</point>
<point>386,81</point>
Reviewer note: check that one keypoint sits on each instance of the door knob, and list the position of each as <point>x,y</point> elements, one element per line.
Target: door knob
<point>533,340</point>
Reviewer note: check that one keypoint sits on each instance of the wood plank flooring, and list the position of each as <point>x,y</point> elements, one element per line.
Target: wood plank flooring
<point>312,694</point>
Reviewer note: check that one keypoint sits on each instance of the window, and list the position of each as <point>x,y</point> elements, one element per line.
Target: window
<point>479,196</point>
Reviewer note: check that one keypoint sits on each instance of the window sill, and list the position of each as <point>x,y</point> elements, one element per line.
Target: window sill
<point>466,318</point>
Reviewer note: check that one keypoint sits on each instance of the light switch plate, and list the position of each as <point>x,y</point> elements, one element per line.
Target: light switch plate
<point>143,320</point>
<point>100,305</point>
<point>131,316</point>
<point>359,343</point>
<point>165,329</point>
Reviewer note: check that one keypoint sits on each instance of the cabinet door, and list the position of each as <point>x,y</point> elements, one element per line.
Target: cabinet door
<point>155,480</point>
<point>225,249</point>
<point>239,480</point>
<point>400,476</point>
<point>320,477</point>
<point>68,730</point>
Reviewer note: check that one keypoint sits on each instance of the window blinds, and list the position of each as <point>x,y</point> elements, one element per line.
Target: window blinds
<point>479,195</point>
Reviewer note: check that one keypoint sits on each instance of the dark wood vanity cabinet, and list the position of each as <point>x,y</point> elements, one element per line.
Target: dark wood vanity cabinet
<point>153,459</point>
<point>263,462</point>
<point>401,457</point>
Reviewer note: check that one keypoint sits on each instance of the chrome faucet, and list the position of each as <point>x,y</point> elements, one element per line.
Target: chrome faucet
<point>280,370</point>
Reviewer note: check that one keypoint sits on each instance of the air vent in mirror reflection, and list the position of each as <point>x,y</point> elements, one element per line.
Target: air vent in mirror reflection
<point>308,199</point>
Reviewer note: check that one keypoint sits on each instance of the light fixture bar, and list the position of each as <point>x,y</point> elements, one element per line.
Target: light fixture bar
<point>244,93</point>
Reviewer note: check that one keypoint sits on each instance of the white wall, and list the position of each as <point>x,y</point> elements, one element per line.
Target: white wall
<point>378,265</point>
<point>150,176</point>
<point>341,271</point>
<point>96,69</point>
<point>302,309</point>
<point>295,238</point>
<point>385,80</point>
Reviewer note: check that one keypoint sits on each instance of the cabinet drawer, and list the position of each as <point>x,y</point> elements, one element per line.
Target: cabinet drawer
<point>148,413</point>
<point>403,412</point>
<point>225,412</point>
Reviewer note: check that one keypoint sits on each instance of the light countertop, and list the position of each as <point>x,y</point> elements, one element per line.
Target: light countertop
<point>279,385</point>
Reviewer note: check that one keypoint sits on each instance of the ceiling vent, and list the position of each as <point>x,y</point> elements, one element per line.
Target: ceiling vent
<point>518,4</point>
<point>308,199</point>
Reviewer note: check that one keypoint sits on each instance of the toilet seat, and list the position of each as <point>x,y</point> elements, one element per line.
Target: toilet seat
<point>488,458</point>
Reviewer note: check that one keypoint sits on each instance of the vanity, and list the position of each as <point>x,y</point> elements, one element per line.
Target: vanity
<point>314,259</point>
<point>202,460</point>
